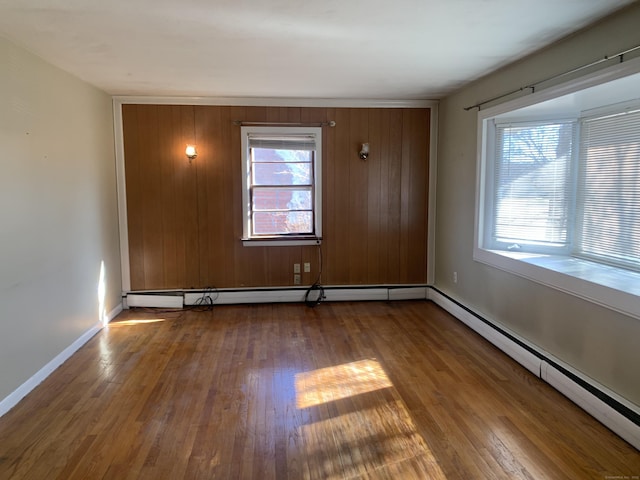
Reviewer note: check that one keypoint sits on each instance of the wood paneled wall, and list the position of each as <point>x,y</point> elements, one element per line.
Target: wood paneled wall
<point>185,220</point>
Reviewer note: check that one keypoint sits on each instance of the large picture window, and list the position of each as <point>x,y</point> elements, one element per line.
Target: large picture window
<point>559,188</point>
<point>552,194</point>
<point>282,187</point>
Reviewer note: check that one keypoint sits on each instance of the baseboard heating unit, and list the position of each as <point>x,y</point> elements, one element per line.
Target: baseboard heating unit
<point>178,299</point>
<point>619,415</point>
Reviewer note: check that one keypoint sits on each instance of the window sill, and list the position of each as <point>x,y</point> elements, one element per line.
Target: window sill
<point>280,241</point>
<point>612,287</point>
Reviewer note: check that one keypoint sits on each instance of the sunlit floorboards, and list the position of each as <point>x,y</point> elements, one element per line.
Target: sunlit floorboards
<point>346,390</point>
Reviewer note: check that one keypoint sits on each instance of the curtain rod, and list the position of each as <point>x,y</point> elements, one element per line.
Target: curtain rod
<point>331,123</point>
<point>533,86</point>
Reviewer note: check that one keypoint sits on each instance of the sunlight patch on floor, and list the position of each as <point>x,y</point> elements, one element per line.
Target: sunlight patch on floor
<point>360,426</point>
<point>376,442</point>
<point>342,381</point>
<point>124,323</point>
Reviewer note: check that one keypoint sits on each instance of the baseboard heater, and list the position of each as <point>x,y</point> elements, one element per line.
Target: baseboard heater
<point>618,414</point>
<point>153,300</point>
<point>179,298</point>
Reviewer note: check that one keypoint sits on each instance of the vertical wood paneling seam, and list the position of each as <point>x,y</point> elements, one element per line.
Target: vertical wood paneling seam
<point>406,195</point>
<point>198,232</point>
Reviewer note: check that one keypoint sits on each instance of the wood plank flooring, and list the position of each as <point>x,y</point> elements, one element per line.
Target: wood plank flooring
<point>380,390</point>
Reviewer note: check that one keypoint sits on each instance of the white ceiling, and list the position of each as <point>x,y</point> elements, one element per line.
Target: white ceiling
<point>343,49</point>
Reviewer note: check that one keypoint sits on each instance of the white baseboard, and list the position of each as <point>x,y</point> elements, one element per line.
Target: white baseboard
<point>408,293</point>
<point>520,354</point>
<point>114,313</point>
<point>245,296</point>
<point>548,368</point>
<point>355,294</point>
<point>155,301</point>
<point>273,295</point>
<point>591,404</point>
<point>12,399</point>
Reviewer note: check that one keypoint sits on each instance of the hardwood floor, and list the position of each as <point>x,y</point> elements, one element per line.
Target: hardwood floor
<point>346,390</point>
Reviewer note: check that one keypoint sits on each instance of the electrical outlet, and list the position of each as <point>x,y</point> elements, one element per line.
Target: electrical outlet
<point>455,277</point>
<point>296,268</point>
<point>307,267</point>
<point>296,279</point>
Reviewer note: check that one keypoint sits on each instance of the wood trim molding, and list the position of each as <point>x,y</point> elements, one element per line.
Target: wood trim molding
<point>277,102</point>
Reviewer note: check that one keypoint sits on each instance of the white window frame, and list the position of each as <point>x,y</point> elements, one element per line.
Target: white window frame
<point>492,133</point>
<point>606,285</point>
<point>248,239</point>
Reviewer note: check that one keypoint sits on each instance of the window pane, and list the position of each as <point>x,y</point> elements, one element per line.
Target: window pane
<point>275,155</point>
<point>282,199</point>
<point>282,174</point>
<point>533,184</point>
<point>280,168</point>
<point>277,223</point>
<point>609,189</point>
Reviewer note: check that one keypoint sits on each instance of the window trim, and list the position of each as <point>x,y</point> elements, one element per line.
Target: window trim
<point>287,239</point>
<point>604,285</point>
<point>490,203</point>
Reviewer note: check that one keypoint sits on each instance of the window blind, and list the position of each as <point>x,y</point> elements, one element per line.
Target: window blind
<point>279,142</point>
<point>533,185</point>
<point>609,189</point>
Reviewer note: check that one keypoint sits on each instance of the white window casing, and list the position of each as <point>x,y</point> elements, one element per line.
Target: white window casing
<point>282,185</point>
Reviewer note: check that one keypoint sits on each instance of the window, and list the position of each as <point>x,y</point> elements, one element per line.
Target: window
<point>282,185</point>
<point>608,220</point>
<point>533,189</point>
<point>559,189</point>
<point>551,195</point>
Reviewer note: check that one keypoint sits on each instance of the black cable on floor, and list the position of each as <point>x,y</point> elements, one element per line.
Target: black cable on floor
<point>206,301</point>
<point>315,293</point>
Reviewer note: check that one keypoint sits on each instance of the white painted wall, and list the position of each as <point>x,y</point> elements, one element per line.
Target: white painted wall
<point>58,212</point>
<point>595,340</point>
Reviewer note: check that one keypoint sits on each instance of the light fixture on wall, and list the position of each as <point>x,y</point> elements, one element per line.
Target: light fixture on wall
<point>364,151</point>
<point>191,152</point>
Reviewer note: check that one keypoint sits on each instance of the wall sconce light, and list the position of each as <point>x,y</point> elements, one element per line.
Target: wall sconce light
<point>191,152</point>
<point>364,151</point>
